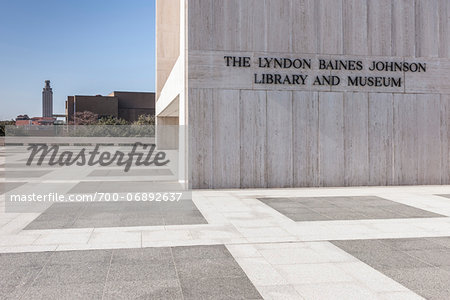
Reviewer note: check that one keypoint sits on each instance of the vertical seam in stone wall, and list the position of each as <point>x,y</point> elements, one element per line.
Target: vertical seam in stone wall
<point>344,127</point>
<point>393,156</point>
<point>393,50</point>
<point>292,139</point>
<point>266,176</point>
<point>318,141</point>
<point>416,29</point>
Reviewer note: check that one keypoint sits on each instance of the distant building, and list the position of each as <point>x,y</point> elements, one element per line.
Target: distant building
<point>23,120</point>
<point>125,105</point>
<point>47,100</point>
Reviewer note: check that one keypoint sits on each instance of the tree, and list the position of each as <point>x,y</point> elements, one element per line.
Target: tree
<point>3,125</point>
<point>85,118</point>
<point>112,121</point>
<point>145,120</point>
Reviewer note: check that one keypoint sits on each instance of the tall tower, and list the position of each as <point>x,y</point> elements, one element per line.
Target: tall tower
<point>47,100</point>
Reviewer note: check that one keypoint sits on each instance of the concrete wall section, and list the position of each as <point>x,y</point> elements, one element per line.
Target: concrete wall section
<point>245,134</point>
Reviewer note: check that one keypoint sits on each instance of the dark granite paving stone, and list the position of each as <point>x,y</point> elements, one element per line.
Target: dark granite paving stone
<point>444,241</point>
<point>133,172</point>
<point>421,279</point>
<point>345,215</point>
<point>65,208</point>
<point>111,221</point>
<point>390,259</point>
<point>435,294</point>
<point>156,289</point>
<point>183,220</point>
<point>411,212</point>
<point>113,214</point>
<point>100,257</point>
<point>307,217</point>
<point>412,244</point>
<point>356,246</point>
<point>125,187</point>
<point>66,291</point>
<point>32,260</point>
<point>200,252</point>
<point>142,272</point>
<point>139,219</point>
<point>298,210</point>
<point>12,292</point>
<point>148,256</point>
<point>208,268</point>
<point>14,278</point>
<point>9,186</point>
<point>427,280</point>
<point>219,288</point>
<point>435,257</point>
<point>26,174</point>
<point>60,223</point>
<point>344,208</point>
<point>72,274</point>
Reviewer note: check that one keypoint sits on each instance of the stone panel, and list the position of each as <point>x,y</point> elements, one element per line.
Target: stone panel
<point>331,139</point>
<point>253,114</point>
<point>226,136</point>
<point>356,138</point>
<point>200,136</point>
<point>306,138</point>
<point>381,110</point>
<point>279,139</point>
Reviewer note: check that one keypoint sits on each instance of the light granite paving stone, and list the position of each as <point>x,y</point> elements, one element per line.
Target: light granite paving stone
<point>260,272</point>
<point>119,237</point>
<point>263,232</point>
<point>330,291</point>
<point>166,235</point>
<point>66,291</point>
<point>15,239</point>
<point>400,296</point>
<point>312,273</point>
<point>243,251</point>
<point>62,238</point>
<point>276,292</point>
<point>294,256</point>
<point>155,289</point>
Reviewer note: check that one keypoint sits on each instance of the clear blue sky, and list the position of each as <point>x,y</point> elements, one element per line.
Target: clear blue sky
<point>85,47</point>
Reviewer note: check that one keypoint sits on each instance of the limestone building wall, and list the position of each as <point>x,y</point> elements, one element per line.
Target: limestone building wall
<point>246,134</point>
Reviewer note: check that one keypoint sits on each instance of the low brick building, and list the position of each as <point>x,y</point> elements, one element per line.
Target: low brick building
<point>125,105</point>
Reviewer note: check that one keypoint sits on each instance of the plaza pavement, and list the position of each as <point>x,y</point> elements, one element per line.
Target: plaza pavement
<point>235,244</point>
